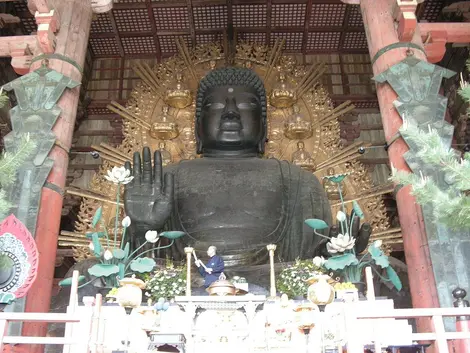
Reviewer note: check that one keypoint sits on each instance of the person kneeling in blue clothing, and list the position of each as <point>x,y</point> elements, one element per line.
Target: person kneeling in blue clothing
<point>214,268</point>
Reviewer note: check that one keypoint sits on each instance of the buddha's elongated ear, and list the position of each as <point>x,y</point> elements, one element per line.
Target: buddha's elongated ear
<point>264,138</point>
<point>198,138</point>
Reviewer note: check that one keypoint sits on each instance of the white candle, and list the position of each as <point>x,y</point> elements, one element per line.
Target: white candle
<point>370,284</point>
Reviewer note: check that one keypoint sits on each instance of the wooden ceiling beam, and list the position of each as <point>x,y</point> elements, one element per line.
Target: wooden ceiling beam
<point>269,13</point>
<point>154,29</point>
<point>189,5</point>
<point>308,14</point>
<point>112,20</point>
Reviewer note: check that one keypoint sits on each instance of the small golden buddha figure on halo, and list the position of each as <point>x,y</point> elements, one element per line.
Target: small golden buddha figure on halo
<point>331,188</point>
<point>297,128</point>
<point>189,142</point>
<point>302,158</point>
<point>164,128</point>
<point>272,149</point>
<point>166,155</point>
<point>178,96</point>
<point>283,94</point>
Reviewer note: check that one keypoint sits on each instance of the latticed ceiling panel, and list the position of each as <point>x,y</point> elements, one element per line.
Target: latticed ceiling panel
<point>256,37</point>
<point>327,15</point>
<point>430,10</point>
<point>168,43</point>
<point>293,40</point>
<point>102,24</point>
<point>309,26</point>
<point>255,15</point>
<point>210,17</point>
<point>29,24</point>
<point>171,18</point>
<point>323,41</point>
<point>355,17</point>
<point>207,38</point>
<point>139,45</point>
<point>355,40</point>
<point>132,20</point>
<point>288,15</point>
<point>104,46</point>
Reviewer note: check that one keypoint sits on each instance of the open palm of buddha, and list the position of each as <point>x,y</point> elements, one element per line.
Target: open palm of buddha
<point>230,198</point>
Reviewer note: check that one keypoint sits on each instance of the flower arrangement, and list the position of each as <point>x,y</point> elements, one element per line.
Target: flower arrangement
<point>293,279</point>
<point>116,260</point>
<point>167,283</point>
<point>342,248</point>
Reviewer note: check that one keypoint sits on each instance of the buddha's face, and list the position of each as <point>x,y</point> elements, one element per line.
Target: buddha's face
<point>231,119</point>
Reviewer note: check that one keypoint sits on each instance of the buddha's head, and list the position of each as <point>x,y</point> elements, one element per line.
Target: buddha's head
<point>231,113</point>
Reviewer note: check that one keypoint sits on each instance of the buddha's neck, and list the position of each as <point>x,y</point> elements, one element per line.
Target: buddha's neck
<point>212,153</point>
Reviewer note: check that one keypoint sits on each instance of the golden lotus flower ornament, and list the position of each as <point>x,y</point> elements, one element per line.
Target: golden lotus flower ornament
<point>179,96</point>
<point>165,127</point>
<point>282,95</point>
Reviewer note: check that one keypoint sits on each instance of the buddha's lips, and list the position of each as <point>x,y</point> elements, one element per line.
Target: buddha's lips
<point>231,125</point>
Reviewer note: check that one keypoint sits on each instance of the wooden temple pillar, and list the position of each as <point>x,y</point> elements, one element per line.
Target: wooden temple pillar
<point>381,32</point>
<point>68,57</point>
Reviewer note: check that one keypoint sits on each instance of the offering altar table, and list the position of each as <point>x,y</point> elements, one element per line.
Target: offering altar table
<point>248,323</point>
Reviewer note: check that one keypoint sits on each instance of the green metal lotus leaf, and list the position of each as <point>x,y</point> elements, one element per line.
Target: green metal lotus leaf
<point>68,281</point>
<point>337,178</point>
<point>174,234</point>
<point>7,298</point>
<point>100,234</point>
<point>341,261</point>
<point>393,277</point>
<point>103,270</point>
<point>97,216</point>
<point>143,264</point>
<point>119,254</point>
<point>96,244</point>
<point>316,223</point>
<point>378,256</point>
<point>357,210</point>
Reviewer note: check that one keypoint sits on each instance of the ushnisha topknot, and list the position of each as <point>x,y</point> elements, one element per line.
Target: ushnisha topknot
<point>232,76</point>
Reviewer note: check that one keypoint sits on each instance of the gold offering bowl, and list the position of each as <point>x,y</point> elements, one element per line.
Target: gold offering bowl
<point>222,287</point>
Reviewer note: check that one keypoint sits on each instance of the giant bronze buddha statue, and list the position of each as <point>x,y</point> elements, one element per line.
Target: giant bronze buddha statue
<point>231,197</point>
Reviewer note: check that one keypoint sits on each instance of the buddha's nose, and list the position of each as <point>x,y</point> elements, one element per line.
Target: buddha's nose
<point>231,110</point>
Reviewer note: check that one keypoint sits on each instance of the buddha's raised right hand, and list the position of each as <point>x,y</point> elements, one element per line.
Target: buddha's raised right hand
<point>148,198</point>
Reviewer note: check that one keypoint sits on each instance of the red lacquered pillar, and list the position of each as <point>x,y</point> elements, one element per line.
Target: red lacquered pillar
<point>71,42</point>
<point>381,32</point>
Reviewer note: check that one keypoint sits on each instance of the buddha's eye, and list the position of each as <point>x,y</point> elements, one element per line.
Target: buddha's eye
<point>214,105</point>
<point>250,105</point>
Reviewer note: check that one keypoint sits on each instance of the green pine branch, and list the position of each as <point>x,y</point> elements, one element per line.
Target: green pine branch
<point>5,205</point>
<point>9,165</point>
<point>11,162</point>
